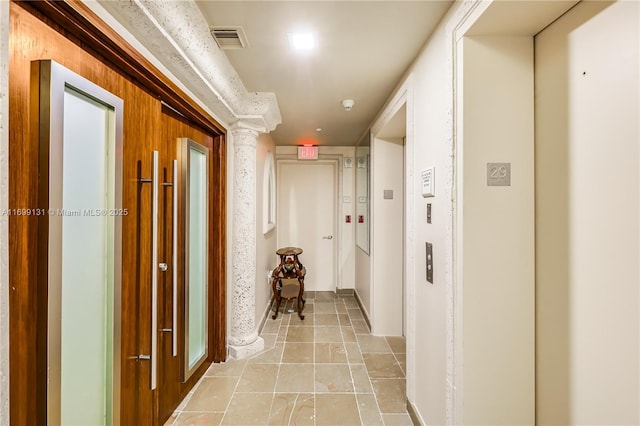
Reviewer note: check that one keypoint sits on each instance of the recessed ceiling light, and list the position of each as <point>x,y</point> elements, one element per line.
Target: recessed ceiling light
<point>302,41</point>
<point>319,129</point>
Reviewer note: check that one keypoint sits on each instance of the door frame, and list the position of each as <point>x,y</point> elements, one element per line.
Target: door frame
<point>403,98</point>
<point>336,162</point>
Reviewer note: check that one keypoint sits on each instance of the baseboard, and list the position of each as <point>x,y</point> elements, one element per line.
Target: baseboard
<point>265,315</point>
<point>365,314</point>
<point>415,419</point>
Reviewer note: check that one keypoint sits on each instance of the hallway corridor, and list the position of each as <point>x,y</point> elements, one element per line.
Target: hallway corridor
<point>325,370</point>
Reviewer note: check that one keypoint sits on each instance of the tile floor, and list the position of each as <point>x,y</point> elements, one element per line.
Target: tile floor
<point>325,370</point>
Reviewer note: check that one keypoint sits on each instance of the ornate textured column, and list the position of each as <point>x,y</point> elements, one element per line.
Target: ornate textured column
<point>243,339</point>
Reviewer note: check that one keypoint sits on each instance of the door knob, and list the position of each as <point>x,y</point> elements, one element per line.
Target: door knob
<point>328,237</point>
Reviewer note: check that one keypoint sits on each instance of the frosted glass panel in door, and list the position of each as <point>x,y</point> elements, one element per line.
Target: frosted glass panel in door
<point>87,263</point>
<point>194,166</point>
<point>197,285</point>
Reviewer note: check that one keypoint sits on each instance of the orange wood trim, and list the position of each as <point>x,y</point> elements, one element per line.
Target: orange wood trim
<point>218,319</point>
<point>93,33</point>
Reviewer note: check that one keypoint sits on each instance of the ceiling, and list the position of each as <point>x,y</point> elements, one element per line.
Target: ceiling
<point>363,50</point>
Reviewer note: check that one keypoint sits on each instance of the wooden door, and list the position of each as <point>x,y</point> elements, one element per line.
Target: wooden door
<point>172,386</point>
<point>39,30</point>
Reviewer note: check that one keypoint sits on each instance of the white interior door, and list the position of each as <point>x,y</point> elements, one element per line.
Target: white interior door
<point>306,218</point>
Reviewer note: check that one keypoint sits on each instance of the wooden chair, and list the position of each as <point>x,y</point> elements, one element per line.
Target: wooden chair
<point>287,279</point>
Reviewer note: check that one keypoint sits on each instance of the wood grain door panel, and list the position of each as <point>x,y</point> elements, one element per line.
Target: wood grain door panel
<point>53,30</point>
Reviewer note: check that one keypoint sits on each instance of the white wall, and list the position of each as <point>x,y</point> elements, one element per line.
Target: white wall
<point>4,219</point>
<point>387,239</point>
<point>496,114</point>
<point>587,214</point>
<point>432,147</point>
<point>429,143</point>
<point>347,249</point>
<point>266,258</point>
<point>443,357</point>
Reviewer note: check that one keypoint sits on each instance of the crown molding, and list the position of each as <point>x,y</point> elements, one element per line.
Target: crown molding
<point>177,34</point>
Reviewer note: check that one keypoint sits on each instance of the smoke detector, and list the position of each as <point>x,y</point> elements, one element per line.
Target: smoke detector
<point>347,104</point>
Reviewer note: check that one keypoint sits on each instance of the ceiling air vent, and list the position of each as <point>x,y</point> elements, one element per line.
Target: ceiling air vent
<point>229,37</point>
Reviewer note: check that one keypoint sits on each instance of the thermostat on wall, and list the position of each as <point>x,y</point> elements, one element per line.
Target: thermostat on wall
<point>428,182</point>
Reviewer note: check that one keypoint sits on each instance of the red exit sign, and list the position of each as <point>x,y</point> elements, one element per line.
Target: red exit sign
<point>307,153</point>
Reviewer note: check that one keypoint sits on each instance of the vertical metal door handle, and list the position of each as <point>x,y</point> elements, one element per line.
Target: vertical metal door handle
<point>174,261</point>
<point>154,272</point>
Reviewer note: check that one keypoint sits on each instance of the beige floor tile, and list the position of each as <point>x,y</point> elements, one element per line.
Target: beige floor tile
<point>397,344</point>
<point>282,334</point>
<point>355,313</point>
<point>326,319</point>
<point>337,410</point>
<point>325,296</point>
<point>382,366</point>
<point>293,409</point>
<point>333,353</point>
<point>390,394</point>
<point>370,343</point>
<point>324,308</point>
<point>295,378</point>
<point>344,320</point>
<point>328,334</point>
<point>269,340</point>
<point>258,378</point>
<point>397,420</point>
<point>184,402</point>
<point>325,370</point>
<point>354,356</point>
<point>269,356</point>
<point>271,326</point>
<point>229,368</point>
<point>300,334</point>
<point>348,335</point>
<point>284,317</point>
<point>333,378</point>
<point>369,412</point>
<point>171,420</point>
<point>248,409</point>
<point>361,381</point>
<point>297,353</point>
<point>402,362</point>
<point>212,394</point>
<point>308,308</point>
<point>199,419</point>
<point>351,303</point>
<point>306,322</point>
<point>360,326</point>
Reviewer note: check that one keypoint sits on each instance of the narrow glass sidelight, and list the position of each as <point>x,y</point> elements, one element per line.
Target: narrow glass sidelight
<point>194,160</point>
<point>81,147</point>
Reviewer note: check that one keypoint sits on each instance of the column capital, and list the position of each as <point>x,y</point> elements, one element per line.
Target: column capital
<point>241,127</point>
